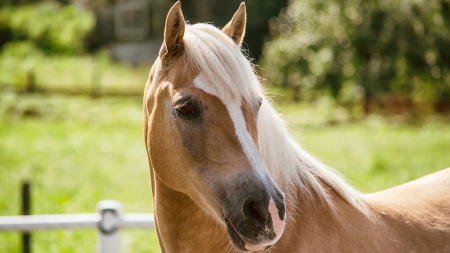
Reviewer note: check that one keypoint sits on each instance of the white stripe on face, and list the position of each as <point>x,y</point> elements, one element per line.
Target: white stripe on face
<point>234,109</point>
<point>252,153</point>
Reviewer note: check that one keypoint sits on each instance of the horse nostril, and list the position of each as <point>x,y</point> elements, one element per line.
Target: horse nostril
<point>255,212</point>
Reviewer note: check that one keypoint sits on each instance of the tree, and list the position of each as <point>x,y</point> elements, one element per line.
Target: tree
<point>363,51</point>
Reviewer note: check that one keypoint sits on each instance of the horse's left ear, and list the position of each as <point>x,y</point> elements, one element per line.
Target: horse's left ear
<point>235,29</point>
<point>173,32</point>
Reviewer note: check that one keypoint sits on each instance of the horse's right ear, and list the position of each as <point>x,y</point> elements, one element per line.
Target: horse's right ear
<point>173,32</point>
<point>235,29</point>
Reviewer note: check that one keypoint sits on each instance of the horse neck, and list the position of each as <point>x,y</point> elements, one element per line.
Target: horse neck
<point>313,226</point>
<point>182,225</point>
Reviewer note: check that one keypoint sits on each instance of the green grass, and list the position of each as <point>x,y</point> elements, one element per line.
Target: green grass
<point>375,153</point>
<point>376,157</point>
<point>77,151</point>
<point>79,73</point>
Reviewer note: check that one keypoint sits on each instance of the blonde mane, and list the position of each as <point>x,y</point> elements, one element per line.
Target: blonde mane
<point>232,75</point>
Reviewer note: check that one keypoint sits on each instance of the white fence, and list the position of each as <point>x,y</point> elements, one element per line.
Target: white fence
<point>109,220</point>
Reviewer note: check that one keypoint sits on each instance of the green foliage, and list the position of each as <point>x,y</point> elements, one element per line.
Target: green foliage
<point>362,51</point>
<point>24,2</point>
<point>49,26</point>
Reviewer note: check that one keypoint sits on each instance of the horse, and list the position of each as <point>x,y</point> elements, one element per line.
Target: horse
<point>226,176</point>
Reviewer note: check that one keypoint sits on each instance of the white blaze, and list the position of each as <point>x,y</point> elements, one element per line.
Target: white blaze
<point>234,109</point>
<point>250,150</point>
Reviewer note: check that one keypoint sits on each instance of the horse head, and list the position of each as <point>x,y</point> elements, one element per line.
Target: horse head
<point>201,105</point>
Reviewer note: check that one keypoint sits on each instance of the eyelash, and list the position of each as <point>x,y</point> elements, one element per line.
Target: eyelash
<point>184,109</point>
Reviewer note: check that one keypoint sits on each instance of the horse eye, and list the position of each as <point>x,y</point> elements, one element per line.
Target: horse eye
<point>184,109</point>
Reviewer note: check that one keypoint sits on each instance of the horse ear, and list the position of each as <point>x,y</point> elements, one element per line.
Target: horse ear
<point>173,31</point>
<point>235,29</point>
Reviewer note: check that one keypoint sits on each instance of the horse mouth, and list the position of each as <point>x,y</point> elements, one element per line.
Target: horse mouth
<point>239,243</point>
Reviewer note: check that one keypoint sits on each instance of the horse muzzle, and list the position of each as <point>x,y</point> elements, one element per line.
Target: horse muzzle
<point>258,226</point>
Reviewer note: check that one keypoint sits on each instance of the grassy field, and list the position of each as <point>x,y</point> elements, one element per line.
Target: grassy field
<point>77,151</point>
<point>375,153</point>
<point>82,73</point>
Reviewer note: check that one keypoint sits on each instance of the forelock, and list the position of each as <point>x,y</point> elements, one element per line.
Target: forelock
<point>222,63</point>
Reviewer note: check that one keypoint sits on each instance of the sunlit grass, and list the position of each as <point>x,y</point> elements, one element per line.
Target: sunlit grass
<point>80,73</point>
<point>75,152</point>
<point>376,156</point>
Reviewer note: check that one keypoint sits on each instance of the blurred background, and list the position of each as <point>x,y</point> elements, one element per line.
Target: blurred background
<point>363,85</point>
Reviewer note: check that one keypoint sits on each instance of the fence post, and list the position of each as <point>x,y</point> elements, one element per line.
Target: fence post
<point>26,210</point>
<point>109,237</point>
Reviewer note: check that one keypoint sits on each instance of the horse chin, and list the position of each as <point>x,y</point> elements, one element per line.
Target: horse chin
<point>240,244</point>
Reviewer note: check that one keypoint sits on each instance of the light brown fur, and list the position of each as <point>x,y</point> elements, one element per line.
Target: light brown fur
<point>414,217</point>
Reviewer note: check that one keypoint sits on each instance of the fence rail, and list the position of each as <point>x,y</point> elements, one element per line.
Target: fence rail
<point>109,220</point>
<point>31,223</point>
